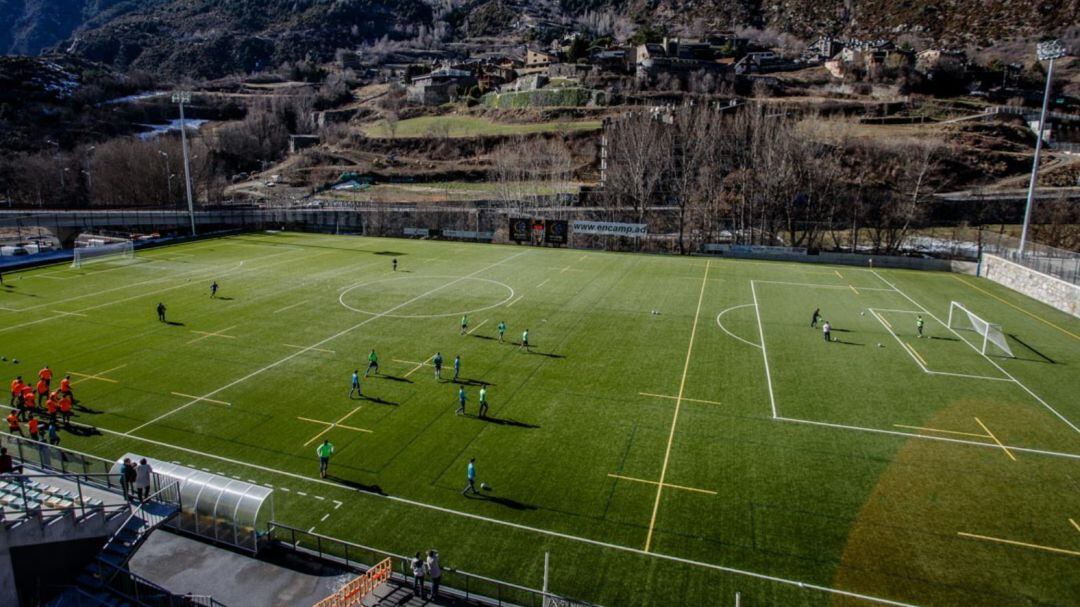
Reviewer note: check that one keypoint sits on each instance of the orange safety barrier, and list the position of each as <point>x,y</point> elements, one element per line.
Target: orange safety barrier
<point>353,593</point>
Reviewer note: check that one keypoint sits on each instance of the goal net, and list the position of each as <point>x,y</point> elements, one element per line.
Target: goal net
<point>991,335</point>
<point>101,249</point>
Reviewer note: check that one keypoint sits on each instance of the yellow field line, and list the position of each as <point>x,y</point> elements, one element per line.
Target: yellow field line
<point>678,403</point>
<point>885,320</point>
<point>206,334</point>
<point>1075,524</point>
<point>854,289</point>
<point>1012,305</point>
<point>942,431</point>
<point>477,326</point>
<point>209,400</point>
<point>67,313</point>
<point>355,429</point>
<point>839,274</point>
<point>307,348</point>
<point>641,480</point>
<point>991,435</point>
<point>1016,543</point>
<point>96,376</point>
<point>916,353</point>
<point>86,376</point>
<point>693,400</point>
<point>329,426</point>
<point>418,366</point>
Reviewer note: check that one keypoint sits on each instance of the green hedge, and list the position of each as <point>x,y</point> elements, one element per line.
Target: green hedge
<point>562,97</point>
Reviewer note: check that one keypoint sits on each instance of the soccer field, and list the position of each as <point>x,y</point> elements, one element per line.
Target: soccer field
<point>719,445</point>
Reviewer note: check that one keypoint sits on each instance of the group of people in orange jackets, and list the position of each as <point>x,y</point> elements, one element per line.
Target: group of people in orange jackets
<point>28,402</point>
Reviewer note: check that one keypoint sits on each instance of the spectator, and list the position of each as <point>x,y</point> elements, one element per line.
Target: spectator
<point>418,576</point>
<point>142,479</point>
<point>7,465</point>
<point>434,572</point>
<point>127,477</point>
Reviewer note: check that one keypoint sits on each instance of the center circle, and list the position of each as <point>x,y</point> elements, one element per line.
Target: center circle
<point>448,295</point>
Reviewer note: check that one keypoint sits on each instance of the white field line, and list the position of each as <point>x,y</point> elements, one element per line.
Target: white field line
<point>903,345</point>
<point>229,272</point>
<point>136,284</point>
<point>918,359</point>
<point>290,306</point>
<point>721,323</point>
<point>312,349</point>
<point>764,354</point>
<point>816,285</point>
<point>67,313</point>
<point>986,377</point>
<point>470,332</point>
<point>209,400</point>
<point>945,439</point>
<point>515,301</point>
<point>898,311</point>
<point>109,303</point>
<point>324,341</point>
<point>546,280</point>
<point>990,360</point>
<point>536,530</point>
<point>678,404</point>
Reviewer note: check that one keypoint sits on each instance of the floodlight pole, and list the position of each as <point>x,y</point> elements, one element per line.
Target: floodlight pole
<point>1046,51</point>
<point>180,98</point>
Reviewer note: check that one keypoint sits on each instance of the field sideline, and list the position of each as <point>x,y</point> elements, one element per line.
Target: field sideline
<point>718,445</point>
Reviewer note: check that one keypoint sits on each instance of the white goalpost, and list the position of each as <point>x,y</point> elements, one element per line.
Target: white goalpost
<point>993,338</point>
<point>102,249</point>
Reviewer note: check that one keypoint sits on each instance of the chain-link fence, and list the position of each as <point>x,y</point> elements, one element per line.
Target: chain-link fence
<point>1052,261</point>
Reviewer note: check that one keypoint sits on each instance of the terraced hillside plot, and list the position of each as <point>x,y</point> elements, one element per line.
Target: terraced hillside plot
<point>675,433</point>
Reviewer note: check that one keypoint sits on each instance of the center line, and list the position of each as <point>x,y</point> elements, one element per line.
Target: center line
<point>678,402</point>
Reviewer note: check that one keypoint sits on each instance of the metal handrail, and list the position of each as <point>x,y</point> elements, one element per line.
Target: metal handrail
<point>405,574</point>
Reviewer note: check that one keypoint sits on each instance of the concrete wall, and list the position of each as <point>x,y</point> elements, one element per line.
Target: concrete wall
<point>855,259</point>
<point>1051,291</point>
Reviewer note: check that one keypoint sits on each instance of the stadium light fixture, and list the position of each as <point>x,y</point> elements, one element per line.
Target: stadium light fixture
<point>1045,51</point>
<point>181,98</point>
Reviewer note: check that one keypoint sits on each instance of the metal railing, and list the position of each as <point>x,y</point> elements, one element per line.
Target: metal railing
<point>463,584</point>
<point>34,497</point>
<point>1052,261</point>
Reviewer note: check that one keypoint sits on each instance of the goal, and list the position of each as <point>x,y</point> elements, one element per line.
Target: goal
<point>993,339</point>
<point>101,249</point>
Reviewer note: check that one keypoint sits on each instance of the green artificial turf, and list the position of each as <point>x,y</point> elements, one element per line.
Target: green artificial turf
<point>857,471</point>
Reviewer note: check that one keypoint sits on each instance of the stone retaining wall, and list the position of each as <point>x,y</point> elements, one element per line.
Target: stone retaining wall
<point>1052,291</point>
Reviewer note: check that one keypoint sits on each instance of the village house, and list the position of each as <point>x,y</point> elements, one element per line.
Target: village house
<point>537,61</point>
<point>933,61</point>
<point>440,86</point>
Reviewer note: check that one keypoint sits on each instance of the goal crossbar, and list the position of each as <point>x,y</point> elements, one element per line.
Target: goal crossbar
<point>992,337</point>
<point>118,249</point>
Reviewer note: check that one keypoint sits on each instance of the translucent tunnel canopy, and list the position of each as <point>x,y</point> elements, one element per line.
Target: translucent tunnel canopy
<point>213,506</point>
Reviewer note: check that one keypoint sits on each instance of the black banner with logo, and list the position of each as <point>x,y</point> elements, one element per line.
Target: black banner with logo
<point>557,231</point>
<point>519,229</point>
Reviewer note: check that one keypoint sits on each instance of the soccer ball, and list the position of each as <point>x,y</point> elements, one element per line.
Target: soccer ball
<point>879,345</point>
<point>485,486</point>
<point>862,313</point>
<point>3,358</point>
<point>15,361</point>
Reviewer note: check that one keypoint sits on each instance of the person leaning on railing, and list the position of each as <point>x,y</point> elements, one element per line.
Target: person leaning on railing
<point>7,464</point>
